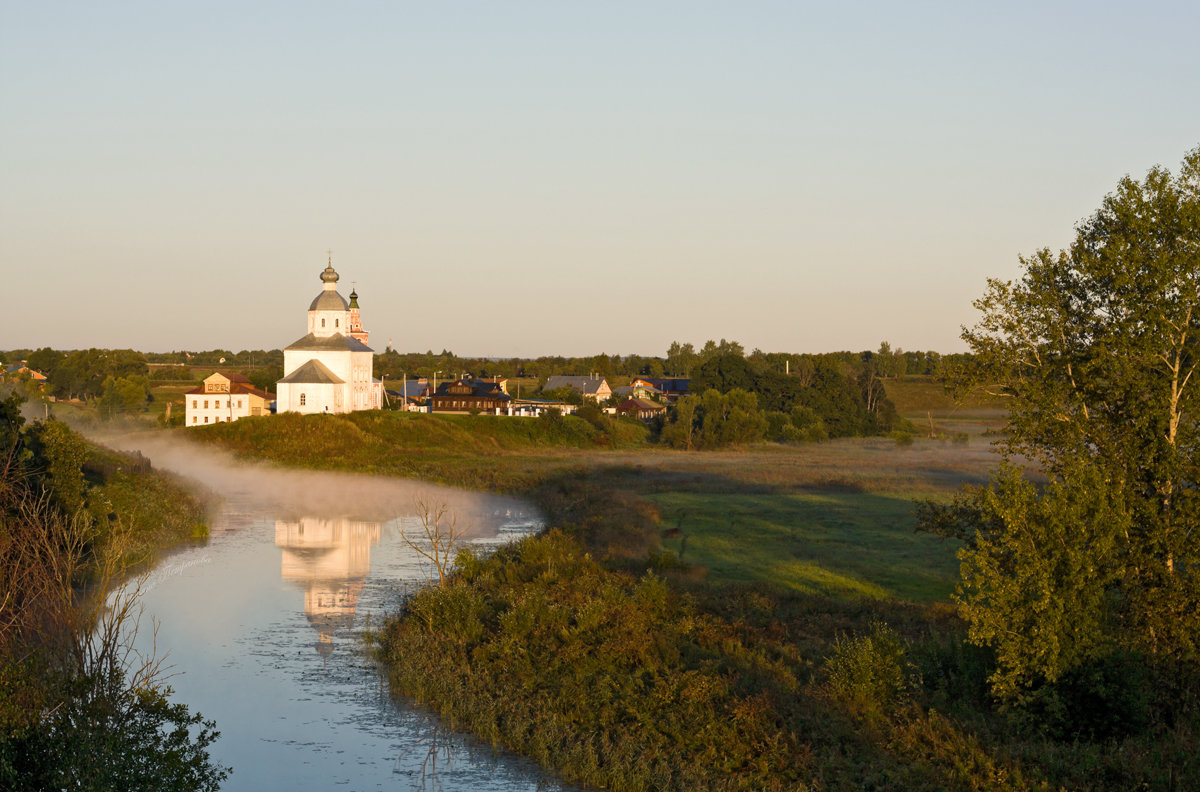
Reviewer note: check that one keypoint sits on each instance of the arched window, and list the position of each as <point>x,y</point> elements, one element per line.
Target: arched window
<point>322,322</point>
<point>335,322</point>
<point>301,399</point>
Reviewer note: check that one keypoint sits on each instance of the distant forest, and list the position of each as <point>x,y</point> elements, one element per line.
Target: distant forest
<point>81,372</point>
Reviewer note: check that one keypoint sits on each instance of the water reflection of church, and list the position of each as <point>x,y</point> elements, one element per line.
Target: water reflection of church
<point>330,558</point>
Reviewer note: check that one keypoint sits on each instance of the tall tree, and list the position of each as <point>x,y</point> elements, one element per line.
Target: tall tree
<point>1097,349</point>
<point>680,359</point>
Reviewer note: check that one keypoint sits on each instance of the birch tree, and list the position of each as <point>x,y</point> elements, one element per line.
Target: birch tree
<point>1096,348</point>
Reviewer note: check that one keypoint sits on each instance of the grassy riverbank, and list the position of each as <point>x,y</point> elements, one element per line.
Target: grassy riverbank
<point>754,619</point>
<point>145,510</point>
<point>76,709</point>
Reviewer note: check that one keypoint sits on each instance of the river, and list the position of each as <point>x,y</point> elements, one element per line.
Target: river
<point>261,626</point>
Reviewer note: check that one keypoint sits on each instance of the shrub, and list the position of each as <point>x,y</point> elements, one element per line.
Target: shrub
<point>790,434</point>
<point>592,413</point>
<point>869,672</point>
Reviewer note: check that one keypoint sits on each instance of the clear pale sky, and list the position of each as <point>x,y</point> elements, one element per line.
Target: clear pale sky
<point>516,178</point>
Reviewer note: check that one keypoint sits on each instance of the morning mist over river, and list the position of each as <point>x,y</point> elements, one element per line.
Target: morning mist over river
<point>261,625</point>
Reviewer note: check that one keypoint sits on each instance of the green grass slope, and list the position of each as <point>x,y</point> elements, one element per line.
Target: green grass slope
<point>464,450</point>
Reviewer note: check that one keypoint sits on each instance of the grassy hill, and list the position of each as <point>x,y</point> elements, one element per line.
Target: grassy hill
<point>463,450</point>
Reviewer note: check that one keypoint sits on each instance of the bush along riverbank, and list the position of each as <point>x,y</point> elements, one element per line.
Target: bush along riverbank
<point>615,666</point>
<point>75,712</point>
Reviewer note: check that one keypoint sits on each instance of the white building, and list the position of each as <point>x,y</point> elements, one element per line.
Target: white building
<point>224,397</point>
<point>329,370</point>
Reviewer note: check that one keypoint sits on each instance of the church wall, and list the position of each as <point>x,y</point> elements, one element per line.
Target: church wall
<point>334,322</point>
<point>317,398</point>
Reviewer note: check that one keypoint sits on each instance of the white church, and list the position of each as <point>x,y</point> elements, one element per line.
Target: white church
<point>330,369</point>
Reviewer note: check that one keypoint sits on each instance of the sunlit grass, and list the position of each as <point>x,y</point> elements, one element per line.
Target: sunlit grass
<point>838,544</point>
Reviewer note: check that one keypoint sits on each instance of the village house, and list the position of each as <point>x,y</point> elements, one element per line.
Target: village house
<point>642,408</point>
<point>329,370</point>
<point>590,387</point>
<point>670,387</point>
<point>535,408</point>
<point>501,382</point>
<point>639,391</point>
<point>20,372</point>
<point>467,395</point>
<point>222,398</point>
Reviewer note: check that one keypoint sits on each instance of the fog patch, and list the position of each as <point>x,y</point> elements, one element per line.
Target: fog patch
<point>299,493</point>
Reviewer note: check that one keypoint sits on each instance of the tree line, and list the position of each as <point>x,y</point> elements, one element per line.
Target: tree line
<point>798,396</point>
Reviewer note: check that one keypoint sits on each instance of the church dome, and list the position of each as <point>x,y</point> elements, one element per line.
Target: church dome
<point>329,301</point>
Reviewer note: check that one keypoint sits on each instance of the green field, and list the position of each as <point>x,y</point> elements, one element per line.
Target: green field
<point>837,544</point>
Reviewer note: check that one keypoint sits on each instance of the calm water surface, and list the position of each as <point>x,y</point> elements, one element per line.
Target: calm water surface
<point>261,628</point>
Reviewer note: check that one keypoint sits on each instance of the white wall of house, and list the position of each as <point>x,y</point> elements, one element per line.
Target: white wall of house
<point>205,408</point>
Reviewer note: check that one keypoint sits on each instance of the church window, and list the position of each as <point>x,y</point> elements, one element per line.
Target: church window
<point>322,322</point>
<point>302,401</point>
<point>335,322</point>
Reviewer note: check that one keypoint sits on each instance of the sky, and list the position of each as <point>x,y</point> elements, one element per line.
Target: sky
<point>562,178</point>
